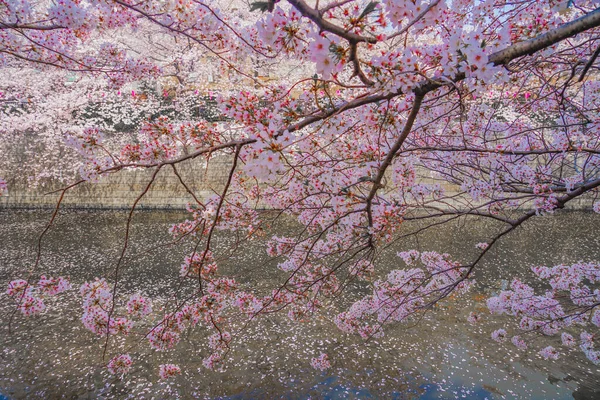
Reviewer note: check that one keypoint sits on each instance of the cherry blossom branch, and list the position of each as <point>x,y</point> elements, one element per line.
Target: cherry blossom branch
<point>16,26</point>
<point>333,5</point>
<point>531,46</point>
<point>189,36</point>
<point>324,25</point>
<point>122,256</point>
<point>38,255</point>
<point>589,64</point>
<point>391,155</point>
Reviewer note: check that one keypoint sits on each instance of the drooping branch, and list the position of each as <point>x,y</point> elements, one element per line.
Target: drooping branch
<point>443,292</point>
<point>122,255</point>
<point>391,155</point>
<point>38,254</point>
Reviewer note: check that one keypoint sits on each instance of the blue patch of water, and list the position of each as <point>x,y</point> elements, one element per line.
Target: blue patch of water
<point>328,388</point>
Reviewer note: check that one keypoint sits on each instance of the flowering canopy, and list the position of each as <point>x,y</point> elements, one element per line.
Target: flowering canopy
<point>495,102</point>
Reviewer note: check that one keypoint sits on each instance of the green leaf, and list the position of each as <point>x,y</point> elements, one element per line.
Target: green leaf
<point>261,6</point>
<point>372,6</point>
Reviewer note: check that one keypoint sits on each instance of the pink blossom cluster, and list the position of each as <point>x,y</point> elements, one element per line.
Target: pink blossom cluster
<point>120,364</point>
<point>404,293</point>
<point>68,13</point>
<point>219,344</point>
<point>547,313</point>
<point>499,335</point>
<point>362,269</point>
<point>160,140</point>
<point>280,245</point>
<point>549,353</point>
<point>98,312</point>
<point>248,303</point>
<point>53,286</point>
<point>482,246</point>
<point>165,139</point>
<point>30,304</point>
<point>209,309</point>
<point>587,345</point>
<point>139,306</point>
<point>321,363</point>
<point>519,342</point>
<point>29,297</point>
<point>326,56</point>
<point>262,158</point>
<point>282,30</point>
<point>238,218</point>
<point>166,371</point>
<point>202,264</point>
<point>89,143</point>
<point>308,280</point>
<point>18,287</point>
<point>473,317</point>
<point>168,333</point>
<point>61,34</point>
<point>222,294</point>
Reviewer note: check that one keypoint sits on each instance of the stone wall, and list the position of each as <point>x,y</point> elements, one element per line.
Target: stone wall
<point>120,190</point>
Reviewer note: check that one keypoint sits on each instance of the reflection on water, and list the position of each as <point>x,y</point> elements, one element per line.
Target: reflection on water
<point>443,357</point>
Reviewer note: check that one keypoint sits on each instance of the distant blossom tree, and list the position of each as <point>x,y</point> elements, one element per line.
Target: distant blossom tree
<point>500,99</point>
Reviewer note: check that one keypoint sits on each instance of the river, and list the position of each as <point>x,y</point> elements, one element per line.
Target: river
<point>442,357</point>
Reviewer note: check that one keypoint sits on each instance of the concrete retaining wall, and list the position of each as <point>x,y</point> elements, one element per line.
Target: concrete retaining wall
<point>120,190</point>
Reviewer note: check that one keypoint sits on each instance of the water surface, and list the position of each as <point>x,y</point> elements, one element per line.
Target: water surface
<point>443,357</point>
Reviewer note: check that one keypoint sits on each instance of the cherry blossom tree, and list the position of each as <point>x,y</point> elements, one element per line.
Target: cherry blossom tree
<point>497,100</point>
